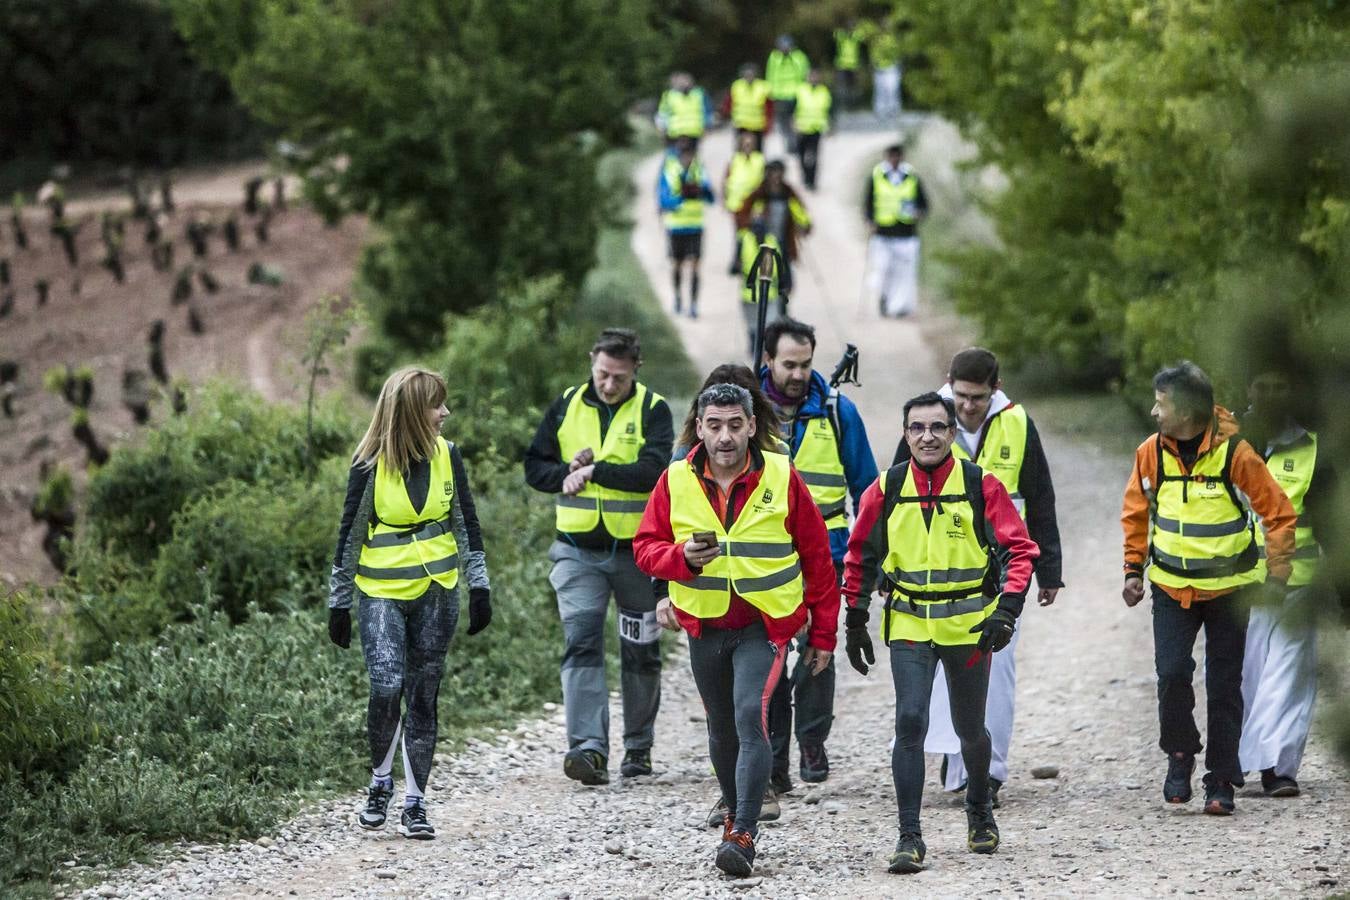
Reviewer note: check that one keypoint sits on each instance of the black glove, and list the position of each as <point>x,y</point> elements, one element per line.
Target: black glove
<point>996,631</point>
<point>340,627</point>
<point>857,642</point>
<point>480,609</point>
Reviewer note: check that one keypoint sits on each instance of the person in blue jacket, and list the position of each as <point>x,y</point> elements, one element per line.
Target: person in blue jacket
<point>829,447</point>
<point>683,192</point>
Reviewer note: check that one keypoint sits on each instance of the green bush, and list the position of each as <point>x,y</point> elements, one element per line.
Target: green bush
<point>43,724</point>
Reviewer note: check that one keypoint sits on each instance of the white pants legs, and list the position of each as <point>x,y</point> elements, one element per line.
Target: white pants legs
<point>1279,685</point>
<point>998,718</point>
<point>886,92</point>
<point>893,273</point>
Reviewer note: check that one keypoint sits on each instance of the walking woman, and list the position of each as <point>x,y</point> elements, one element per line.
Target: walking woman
<point>408,528</point>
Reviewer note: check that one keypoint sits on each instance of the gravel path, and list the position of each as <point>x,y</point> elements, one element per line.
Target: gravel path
<point>510,824</point>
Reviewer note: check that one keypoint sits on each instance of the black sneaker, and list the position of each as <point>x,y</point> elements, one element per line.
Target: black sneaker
<point>1177,787</point>
<point>1278,785</point>
<point>781,782</point>
<point>586,766</point>
<point>635,763</point>
<point>994,785</point>
<point>982,831</point>
<point>414,823</point>
<point>377,806</point>
<point>736,855</point>
<point>908,856</point>
<point>1219,799</point>
<point>719,814</point>
<point>815,766</point>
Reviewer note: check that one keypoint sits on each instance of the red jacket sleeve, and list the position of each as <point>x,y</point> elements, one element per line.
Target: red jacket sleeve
<point>865,545</point>
<point>1010,533</point>
<point>812,541</point>
<point>654,548</point>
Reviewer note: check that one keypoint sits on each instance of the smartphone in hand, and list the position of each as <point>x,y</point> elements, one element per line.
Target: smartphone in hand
<point>706,538</point>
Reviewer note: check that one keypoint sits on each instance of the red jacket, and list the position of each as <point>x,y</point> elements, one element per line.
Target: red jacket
<point>867,543</point>
<point>657,554</point>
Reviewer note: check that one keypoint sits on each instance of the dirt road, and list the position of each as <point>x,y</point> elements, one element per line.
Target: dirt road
<point>511,825</point>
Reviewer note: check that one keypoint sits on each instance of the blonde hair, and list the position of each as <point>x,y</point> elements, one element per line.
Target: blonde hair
<point>399,432</point>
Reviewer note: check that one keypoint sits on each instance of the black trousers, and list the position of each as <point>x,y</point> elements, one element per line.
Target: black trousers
<point>808,152</point>
<point>1174,632</point>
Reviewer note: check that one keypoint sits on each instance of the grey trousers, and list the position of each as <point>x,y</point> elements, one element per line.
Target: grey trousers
<point>584,581</point>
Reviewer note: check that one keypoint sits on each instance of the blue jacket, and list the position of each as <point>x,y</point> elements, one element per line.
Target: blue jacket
<point>670,201</point>
<point>854,450</point>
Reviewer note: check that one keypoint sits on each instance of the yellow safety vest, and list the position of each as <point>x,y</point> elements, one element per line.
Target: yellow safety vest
<point>1003,450</point>
<point>784,72</point>
<point>619,511</point>
<point>759,561</point>
<point>747,104</point>
<point>822,468</point>
<point>749,248</point>
<point>1203,537</point>
<point>894,204</point>
<point>406,548</point>
<point>847,46</point>
<point>936,570</point>
<point>689,214</point>
<point>744,175</point>
<point>812,113</point>
<point>885,50</point>
<point>685,112</point>
<point>1293,467</point>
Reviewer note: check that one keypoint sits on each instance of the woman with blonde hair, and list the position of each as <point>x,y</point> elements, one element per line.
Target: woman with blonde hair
<point>408,528</point>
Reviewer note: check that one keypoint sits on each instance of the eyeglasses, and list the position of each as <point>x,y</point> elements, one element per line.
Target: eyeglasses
<point>937,429</point>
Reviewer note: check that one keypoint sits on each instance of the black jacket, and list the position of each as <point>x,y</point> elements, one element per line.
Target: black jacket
<point>1039,493</point>
<point>545,469</point>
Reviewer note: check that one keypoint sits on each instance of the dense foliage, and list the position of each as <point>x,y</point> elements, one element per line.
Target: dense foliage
<point>1116,123</point>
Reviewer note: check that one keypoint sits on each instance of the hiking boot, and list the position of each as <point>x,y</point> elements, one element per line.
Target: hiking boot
<point>636,763</point>
<point>1278,785</point>
<point>719,814</point>
<point>771,809</point>
<point>414,823</point>
<point>908,856</point>
<point>815,766</point>
<point>736,855</point>
<point>1177,786</point>
<point>1219,799</point>
<point>377,805</point>
<point>586,766</point>
<point>981,830</point>
<point>781,782</point>
<point>994,785</point>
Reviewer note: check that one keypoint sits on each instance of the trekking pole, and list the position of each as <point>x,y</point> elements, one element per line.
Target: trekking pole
<point>767,266</point>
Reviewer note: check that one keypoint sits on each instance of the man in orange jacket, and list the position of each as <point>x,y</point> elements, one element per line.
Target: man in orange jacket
<point>1187,525</point>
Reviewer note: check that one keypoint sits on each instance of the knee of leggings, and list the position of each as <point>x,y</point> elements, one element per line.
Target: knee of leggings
<point>386,686</point>
<point>910,726</point>
<point>750,722</point>
<point>1172,673</point>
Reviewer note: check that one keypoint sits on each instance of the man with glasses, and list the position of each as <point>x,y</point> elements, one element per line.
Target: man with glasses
<point>956,561</point>
<point>997,434</point>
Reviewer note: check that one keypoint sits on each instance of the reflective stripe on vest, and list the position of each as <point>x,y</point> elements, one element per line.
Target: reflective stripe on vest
<point>784,72</point>
<point>685,112</point>
<point>406,549</point>
<point>894,204</point>
<point>1003,450</point>
<point>749,248</point>
<point>812,113</point>
<point>759,561</point>
<point>820,465</point>
<point>747,104</point>
<point>744,175</point>
<point>619,511</point>
<point>936,570</point>
<point>1201,536</point>
<point>689,214</point>
<point>1293,467</point>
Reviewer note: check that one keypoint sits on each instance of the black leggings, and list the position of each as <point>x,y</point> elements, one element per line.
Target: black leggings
<point>404,642</point>
<point>912,667</point>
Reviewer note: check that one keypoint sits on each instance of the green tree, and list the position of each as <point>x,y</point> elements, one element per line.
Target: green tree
<point>469,130</point>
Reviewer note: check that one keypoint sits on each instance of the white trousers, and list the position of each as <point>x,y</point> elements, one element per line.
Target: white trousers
<point>893,273</point>
<point>1279,685</point>
<point>886,92</point>
<point>998,718</point>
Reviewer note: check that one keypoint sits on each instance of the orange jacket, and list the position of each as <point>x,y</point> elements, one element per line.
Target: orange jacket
<point>1250,476</point>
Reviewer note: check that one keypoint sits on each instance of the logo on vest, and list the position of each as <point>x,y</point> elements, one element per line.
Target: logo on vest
<point>956,519</point>
<point>1005,453</point>
<point>1289,465</point>
<point>766,497</point>
<point>449,488</point>
<point>631,429</point>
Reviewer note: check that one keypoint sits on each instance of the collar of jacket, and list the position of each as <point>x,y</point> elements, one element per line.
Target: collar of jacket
<point>997,403</point>
<point>813,404</point>
<point>1222,426</point>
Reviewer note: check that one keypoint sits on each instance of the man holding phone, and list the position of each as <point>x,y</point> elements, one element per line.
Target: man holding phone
<point>736,533</point>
